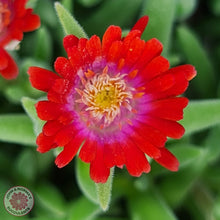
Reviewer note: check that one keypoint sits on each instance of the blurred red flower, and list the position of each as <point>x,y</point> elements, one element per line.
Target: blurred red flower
<point>114,101</point>
<point>14,20</point>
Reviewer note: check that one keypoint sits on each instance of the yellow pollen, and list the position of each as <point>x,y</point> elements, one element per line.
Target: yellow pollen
<point>104,96</point>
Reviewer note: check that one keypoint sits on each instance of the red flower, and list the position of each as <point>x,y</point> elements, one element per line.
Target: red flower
<point>113,101</point>
<point>14,20</point>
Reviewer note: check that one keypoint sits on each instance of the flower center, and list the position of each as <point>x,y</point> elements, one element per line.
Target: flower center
<point>5,15</point>
<point>104,96</point>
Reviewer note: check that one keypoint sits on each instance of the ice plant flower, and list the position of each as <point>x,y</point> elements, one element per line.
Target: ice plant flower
<point>14,20</point>
<point>115,101</point>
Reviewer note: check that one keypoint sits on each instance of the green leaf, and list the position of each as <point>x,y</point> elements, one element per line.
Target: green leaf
<point>69,23</point>
<point>200,115</point>
<point>111,13</point>
<point>28,173</point>
<point>82,209</point>
<point>29,106</point>
<point>185,8</point>
<point>196,55</point>
<point>149,206</point>
<point>161,19</point>
<point>84,181</point>
<point>175,186</point>
<point>187,154</point>
<point>215,6</point>
<point>16,128</point>
<point>43,45</point>
<point>51,199</point>
<point>89,3</point>
<point>104,191</point>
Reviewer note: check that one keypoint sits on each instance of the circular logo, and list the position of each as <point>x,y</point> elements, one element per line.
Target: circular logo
<point>18,201</point>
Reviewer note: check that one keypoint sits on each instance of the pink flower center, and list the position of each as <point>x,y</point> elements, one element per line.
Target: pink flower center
<point>5,15</point>
<point>104,95</point>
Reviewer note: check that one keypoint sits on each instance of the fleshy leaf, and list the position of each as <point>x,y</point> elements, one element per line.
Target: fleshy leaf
<point>51,199</point>
<point>185,8</point>
<point>16,128</point>
<point>82,209</point>
<point>196,55</point>
<point>84,181</point>
<point>149,206</point>
<point>200,115</point>
<point>104,191</point>
<point>161,20</point>
<point>29,107</point>
<point>69,23</point>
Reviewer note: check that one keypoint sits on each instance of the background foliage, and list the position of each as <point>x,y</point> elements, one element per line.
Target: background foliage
<point>189,30</point>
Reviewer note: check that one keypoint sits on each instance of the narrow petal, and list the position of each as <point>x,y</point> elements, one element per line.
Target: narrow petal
<point>153,48</point>
<point>99,173</point>
<point>113,33</point>
<point>51,127</point>
<point>136,161</point>
<point>168,160</point>
<point>32,21</point>
<point>169,128</point>
<point>94,47</point>
<point>141,24</point>
<point>45,143</point>
<point>42,79</point>
<point>114,155</point>
<point>63,67</point>
<point>134,51</point>
<point>155,67</point>
<point>69,41</point>
<point>69,152</point>
<point>160,83</point>
<point>115,51</point>
<point>88,151</point>
<point>8,67</point>
<point>65,135</point>
<point>47,110</point>
<point>171,109</point>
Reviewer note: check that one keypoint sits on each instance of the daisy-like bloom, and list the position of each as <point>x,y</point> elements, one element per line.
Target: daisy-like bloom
<point>14,20</point>
<point>115,101</point>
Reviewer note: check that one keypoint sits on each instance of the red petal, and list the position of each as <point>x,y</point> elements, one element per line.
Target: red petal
<point>153,48</point>
<point>171,109</point>
<point>129,38</point>
<point>136,161</point>
<point>145,146</point>
<point>65,135</point>
<point>42,79</point>
<point>113,33</point>
<point>160,83</point>
<point>141,24</point>
<point>19,7</point>
<point>63,67</point>
<point>11,70</point>
<point>154,68</point>
<point>45,143</point>
<point>168,160</point>
<point>94,47</point>
<point>47,110</point>
<point>169,128</point>
<point>115,52</point>
<point>31,21</point>
<point>99,173</point>
<point>68,153</point>
<point>51,128</point>
<point>88,151</point>
<point>70,41</point>
<point>153,136</point>
<point>75,58</point>
<point>134,51</point>
<point>114,155</point>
